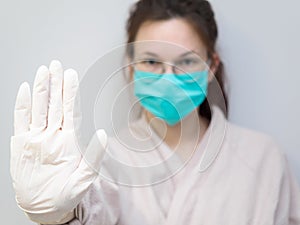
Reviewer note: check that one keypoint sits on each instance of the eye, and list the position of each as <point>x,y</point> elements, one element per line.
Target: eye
<point>150,62</point>
<point>187,62</point>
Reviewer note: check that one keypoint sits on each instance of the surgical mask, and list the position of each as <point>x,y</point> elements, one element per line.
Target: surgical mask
<point>170,97</point>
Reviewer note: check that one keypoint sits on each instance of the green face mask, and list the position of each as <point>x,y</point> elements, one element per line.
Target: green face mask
<point>170,97</point>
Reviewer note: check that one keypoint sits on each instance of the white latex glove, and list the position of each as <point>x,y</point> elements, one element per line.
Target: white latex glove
<point>50,175</point>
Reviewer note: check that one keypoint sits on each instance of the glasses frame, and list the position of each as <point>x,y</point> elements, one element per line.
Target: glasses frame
<point>175,68</point>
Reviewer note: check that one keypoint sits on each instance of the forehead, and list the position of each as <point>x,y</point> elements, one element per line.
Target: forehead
<point>168,38</point>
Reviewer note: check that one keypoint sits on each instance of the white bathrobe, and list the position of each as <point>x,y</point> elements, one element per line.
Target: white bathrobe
<point>236,176</point>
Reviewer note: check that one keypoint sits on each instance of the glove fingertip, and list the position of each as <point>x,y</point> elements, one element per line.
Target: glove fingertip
<point>23,97</point>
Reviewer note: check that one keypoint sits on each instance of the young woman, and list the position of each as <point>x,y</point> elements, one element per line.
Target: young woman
<point>218,173</point>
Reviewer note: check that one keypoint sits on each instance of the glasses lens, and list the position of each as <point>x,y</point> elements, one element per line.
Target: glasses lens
<point>149,65</point>
<point>189,65</point>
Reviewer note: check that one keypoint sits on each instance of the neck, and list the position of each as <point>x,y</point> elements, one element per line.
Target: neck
<point>185,134</point>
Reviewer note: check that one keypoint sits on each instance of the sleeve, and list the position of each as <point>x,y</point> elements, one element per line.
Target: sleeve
<point>100,205</point>
<point>288,204</point>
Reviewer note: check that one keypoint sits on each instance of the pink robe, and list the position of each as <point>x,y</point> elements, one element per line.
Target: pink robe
<point>236,176</point>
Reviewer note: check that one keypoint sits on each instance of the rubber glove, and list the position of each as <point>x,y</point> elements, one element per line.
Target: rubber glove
<point>50,173</point>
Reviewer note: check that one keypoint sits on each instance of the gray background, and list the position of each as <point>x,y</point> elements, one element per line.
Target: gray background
<point>259,44</point>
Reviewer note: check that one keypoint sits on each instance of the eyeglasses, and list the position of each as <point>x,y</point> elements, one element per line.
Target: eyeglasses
<point>180,66</point>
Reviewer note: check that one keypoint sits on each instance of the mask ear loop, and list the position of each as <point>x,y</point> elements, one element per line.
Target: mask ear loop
<point>208,63</point>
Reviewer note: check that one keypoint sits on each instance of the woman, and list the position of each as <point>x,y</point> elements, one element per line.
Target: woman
<point>220,173</point>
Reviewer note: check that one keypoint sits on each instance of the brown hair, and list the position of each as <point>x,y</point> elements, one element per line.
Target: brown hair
<point>199,14</point>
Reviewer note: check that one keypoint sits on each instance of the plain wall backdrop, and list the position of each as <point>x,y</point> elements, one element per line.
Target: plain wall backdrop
<point>258,42</point>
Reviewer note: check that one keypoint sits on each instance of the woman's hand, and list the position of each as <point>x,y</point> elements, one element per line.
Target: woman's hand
<point>50,173</point>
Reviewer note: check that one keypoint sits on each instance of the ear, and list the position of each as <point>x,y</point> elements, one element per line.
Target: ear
<point>215,62</point>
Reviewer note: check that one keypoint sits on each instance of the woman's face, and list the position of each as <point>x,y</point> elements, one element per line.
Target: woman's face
<point>173,42</point>
<point>166,38</point>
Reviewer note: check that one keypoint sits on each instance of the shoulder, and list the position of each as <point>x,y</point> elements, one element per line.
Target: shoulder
<point>256,149</point>
<point>247,136</point>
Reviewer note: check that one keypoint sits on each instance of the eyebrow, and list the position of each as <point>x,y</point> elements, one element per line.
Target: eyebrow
<point>182,55</point>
